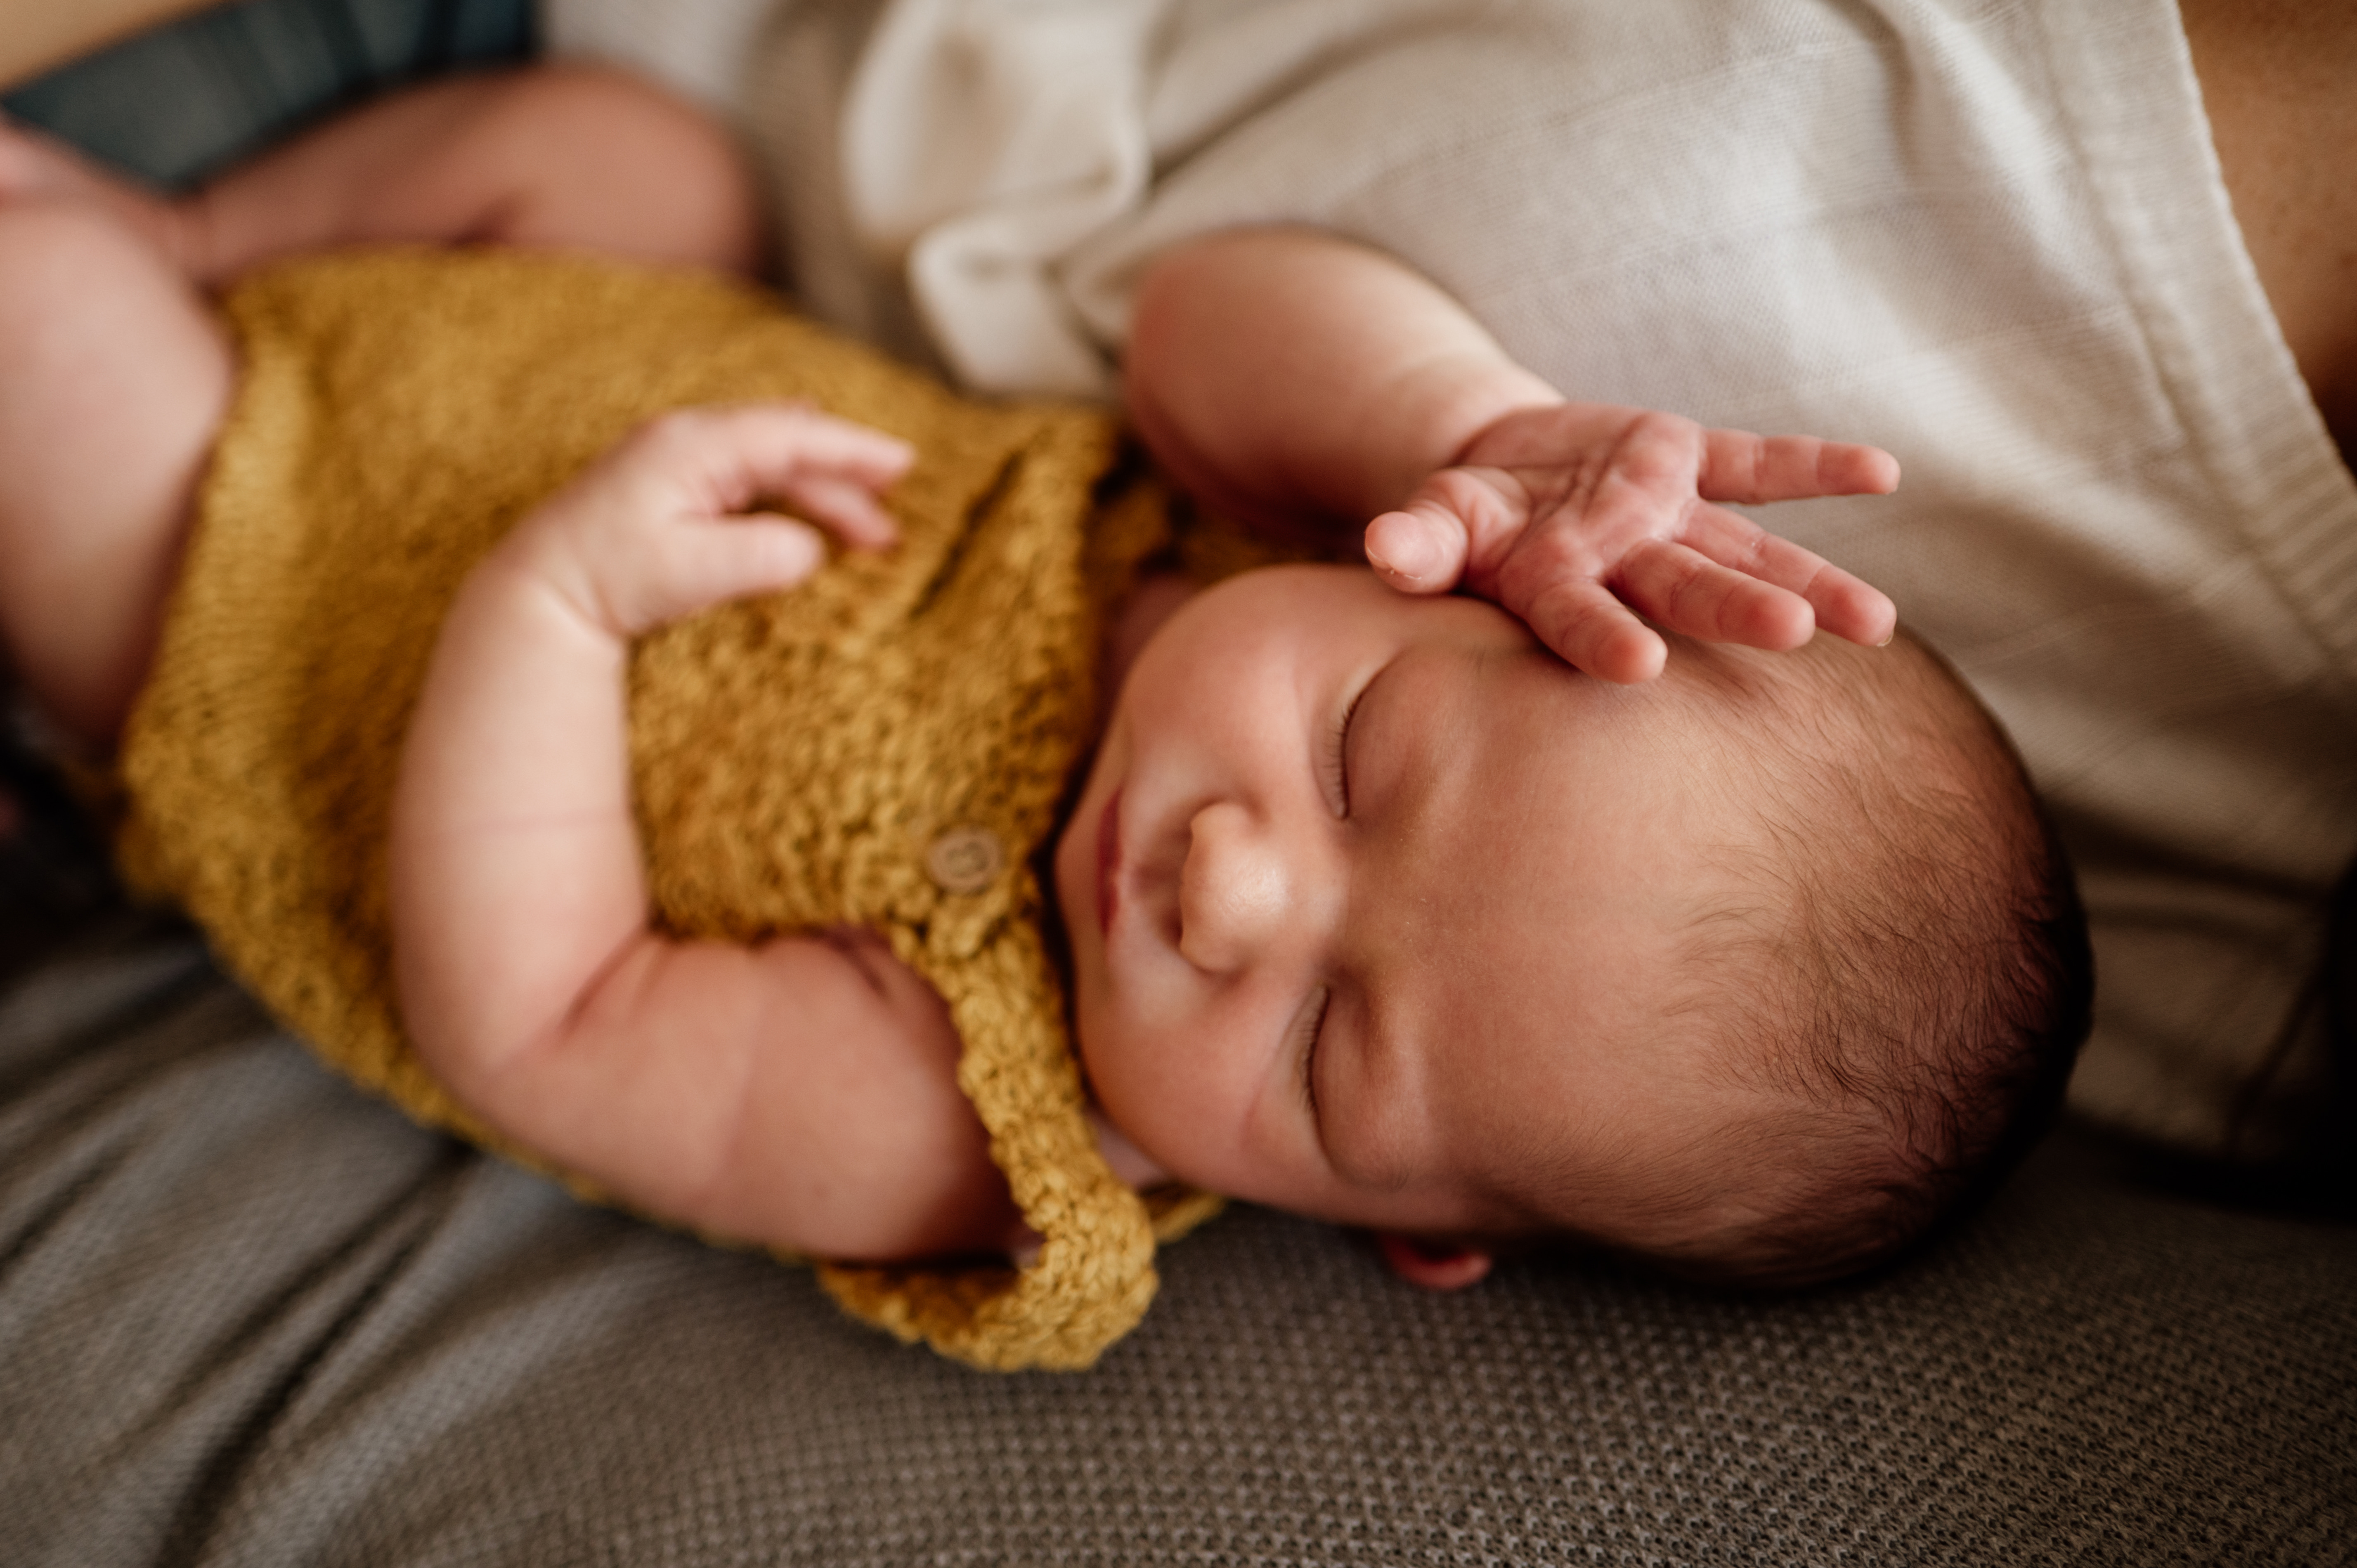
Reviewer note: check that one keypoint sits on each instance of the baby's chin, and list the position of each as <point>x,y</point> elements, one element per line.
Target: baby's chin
<point>1132,1165</point>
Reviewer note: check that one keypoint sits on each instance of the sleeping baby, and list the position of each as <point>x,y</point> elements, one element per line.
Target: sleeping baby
<point>920,903</point>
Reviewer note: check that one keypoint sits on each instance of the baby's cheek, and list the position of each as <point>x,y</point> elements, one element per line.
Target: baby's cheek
<point>1102,1047</point>
<point>1128,1085</point>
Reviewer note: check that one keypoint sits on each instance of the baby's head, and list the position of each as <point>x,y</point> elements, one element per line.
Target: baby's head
<point>1382,914</point>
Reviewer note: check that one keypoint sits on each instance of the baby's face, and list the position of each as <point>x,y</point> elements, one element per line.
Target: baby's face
<point>1370,897</point>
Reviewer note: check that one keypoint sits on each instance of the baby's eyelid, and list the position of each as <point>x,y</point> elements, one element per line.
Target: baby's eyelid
<point>1312,1029</point>
<point>1338,752</point>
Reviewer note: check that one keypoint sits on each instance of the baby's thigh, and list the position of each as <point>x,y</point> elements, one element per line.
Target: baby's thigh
<point>116,377</point>
<point>584,157</point>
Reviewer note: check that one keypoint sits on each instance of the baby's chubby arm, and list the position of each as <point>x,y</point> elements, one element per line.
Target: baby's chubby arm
<point>799,1094</point>
<point>1291,375</point>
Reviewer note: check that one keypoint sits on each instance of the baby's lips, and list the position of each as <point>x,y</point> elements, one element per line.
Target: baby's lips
<point>1109,863</point>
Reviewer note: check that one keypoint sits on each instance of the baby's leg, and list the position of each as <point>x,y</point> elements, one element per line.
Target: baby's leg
<point>35,166</point>
<point>568,157</point>
<point>116,377</point>
<point>571,157</point>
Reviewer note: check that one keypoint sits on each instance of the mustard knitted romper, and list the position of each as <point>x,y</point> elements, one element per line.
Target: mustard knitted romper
<point>885,746</point>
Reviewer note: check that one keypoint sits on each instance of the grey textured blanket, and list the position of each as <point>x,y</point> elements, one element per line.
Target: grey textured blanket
<point>249,1316</point>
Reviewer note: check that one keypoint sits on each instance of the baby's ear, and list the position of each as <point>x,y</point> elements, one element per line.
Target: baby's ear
<point>1434,1265</point>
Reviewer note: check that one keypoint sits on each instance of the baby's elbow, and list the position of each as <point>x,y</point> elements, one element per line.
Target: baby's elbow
<point>965,1214</point>
<point>854,1142</point>
<point>925,1189</point>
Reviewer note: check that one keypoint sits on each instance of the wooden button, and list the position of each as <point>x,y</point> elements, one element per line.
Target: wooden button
<point>966,860</point>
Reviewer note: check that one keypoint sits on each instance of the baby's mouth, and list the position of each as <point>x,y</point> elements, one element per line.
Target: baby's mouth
<point>1109,862</point>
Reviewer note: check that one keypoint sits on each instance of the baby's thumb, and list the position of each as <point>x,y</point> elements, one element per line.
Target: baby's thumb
<point>1419,548</point>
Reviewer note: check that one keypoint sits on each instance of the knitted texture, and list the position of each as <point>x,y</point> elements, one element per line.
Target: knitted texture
<point>793,757</point>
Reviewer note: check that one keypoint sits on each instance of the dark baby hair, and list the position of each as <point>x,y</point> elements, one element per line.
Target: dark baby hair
<point>1897,958</point>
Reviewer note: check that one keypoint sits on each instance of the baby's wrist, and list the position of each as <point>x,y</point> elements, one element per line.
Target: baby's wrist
<point>533,578</point>
<point>1508,399</point>
<point>1453,404</point>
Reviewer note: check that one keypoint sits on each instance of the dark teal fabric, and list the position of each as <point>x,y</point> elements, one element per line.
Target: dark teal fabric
<point>175,104</point>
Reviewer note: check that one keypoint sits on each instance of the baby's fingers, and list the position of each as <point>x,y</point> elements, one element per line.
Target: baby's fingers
<point>845,509</point>
<point>1689,593</point>
<point>1420,549</point>
<point>1842,603</point>
<point>1743,469</point>
<point>1462,520</point>
<point>1594,631</point>
<point>706,564</point>
<point>722,458</point>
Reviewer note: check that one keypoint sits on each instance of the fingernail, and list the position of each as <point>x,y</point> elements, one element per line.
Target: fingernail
<point>1411,556</point>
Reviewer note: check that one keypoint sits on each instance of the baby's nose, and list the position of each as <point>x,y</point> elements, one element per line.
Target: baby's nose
<point>1237,890</point>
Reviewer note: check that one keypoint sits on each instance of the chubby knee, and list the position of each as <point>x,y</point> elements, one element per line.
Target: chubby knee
<point>62,255</point>
<point>45,237</point>
<point>601,96</point>
<point>656,176</point>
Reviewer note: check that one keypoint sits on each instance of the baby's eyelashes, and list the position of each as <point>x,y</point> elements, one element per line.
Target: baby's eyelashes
<point>1336,772</point>
<point>1309,1025</point>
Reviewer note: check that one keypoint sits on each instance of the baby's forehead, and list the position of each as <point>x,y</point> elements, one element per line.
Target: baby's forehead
<point>1598,830</point>
<point>1568,813</point>
<point>1555,795</point>
<point>1543,816</point>
<point>1530,717</point>
<point>1544,918</point>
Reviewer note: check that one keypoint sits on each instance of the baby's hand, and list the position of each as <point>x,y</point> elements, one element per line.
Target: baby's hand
<point>1575,515</point>
<point>657,528</point>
